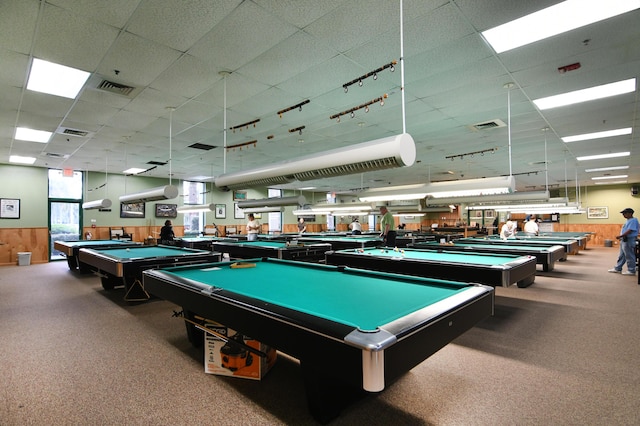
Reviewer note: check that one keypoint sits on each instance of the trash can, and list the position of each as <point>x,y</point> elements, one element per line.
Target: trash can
<point>24,258</point>
<point>608,243</point>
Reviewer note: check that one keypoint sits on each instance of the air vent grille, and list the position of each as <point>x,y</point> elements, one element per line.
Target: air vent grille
<point>56,155</point>
<point>112,87</point>
<point>486,125</point>
<point>365,166</point>
<point>202,146</point>
<point>74,132</point>
<point>157,163</point>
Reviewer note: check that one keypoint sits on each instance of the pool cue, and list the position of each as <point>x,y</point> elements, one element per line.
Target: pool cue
<point>221,336</point>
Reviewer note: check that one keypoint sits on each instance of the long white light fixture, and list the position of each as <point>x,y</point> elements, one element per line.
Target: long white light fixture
<point>606,169</point>
<point>385,153</point>
<point>570,208</point>
<point>604,156</point>
<point>610,177</point>
<point>472,187</point>
<point>56,79</point>
<point>196,208</point>
<point>589,94</point>
<point>351,209</point>
<point>269,209</point>
<point>552,203</point>
<point>105,203</point>
<point>166,192</point>
<point>394,193</point>
<point>300,200</point>
<point>525,196</point>
<point>597,135</point>
<point>554,20</point>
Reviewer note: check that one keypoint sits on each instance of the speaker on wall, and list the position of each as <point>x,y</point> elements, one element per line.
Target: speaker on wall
<point>634,190</point>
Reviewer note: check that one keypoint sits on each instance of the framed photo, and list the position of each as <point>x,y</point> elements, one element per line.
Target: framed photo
<point>597,212</point>
<point>239,195</point>
<point>167,210</point>
<point>132,210</point>
<point>257,215</point>
<point>221,211</point>
<point>9,208</point>
<point>238,213</point>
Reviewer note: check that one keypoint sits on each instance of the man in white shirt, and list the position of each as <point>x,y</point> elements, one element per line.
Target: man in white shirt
<point>531,227</point>
<point>356,228</point>
<point>253,228</point>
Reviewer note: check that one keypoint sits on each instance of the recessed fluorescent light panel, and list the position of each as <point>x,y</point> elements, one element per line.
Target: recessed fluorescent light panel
<point>31,135</point>
<point>55,79</point>
<point>606,169</point>
<point>554,20</point>
<point>610,177</point>
<point>603,156</point>
<point>21,160</point>
<point>133,171</point>
<point>598,135</point>
<point>584,95</point>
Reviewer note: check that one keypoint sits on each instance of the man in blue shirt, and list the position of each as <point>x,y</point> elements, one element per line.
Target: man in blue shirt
<point>627,237</point>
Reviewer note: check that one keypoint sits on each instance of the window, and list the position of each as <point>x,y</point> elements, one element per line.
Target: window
<point>193,194</point>
<point>275,218</point>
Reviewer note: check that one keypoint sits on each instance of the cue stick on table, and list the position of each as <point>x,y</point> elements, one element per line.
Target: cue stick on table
<point>220,336</point>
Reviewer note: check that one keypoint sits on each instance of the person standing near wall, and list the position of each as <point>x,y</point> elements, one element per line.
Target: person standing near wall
<point>387,224</point>
<point>627,238</point>
<point>253,228</point>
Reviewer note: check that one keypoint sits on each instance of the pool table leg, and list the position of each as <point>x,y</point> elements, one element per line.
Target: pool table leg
<point>326,397</point>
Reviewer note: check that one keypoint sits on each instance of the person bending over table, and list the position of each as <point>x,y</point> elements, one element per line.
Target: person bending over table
<point>627,238</point>
<point>166,233</point>
<point>253,228</point>
<point>387,223</point>
<point>508,230</point>
<point>302,227</point>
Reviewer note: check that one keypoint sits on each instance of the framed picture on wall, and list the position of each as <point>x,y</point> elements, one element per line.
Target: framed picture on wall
<point>132,210</point>
<point>167,210</point>
<point>9,208</point>
<point>597,212</point>
<point>221,211</point>
<point>238,213</point>
<point>239,195</point>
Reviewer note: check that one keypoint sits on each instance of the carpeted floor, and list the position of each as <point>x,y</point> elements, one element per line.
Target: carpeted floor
<point>563,351</point>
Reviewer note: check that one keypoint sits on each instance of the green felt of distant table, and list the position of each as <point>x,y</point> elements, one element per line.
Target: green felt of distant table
<point>490,269</point>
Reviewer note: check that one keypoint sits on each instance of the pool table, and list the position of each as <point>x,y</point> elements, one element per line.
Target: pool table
<point>570,246</point>
<point>339,243</point>
<point>307,311</point>
<point>71,249</point>
<point>201,243</point>
<point>545,256</point>
<point>308,252</point>
<point>581,237</point>
<point>118,266</point>
<point>484,268</point>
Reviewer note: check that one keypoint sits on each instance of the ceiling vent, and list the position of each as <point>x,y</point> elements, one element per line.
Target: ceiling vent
<point>67,131</point>
<point>120,89</point>
<point>202,146</point>
<point>157,163</point>
<point>486,125</point>
<point>56,155</point>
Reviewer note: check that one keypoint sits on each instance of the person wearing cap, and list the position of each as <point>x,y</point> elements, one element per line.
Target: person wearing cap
<point>627,239</point>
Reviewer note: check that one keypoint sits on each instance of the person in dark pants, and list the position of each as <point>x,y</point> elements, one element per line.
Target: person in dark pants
<point>166,233</point>
<point>627,237</point>
<point>387,224</point>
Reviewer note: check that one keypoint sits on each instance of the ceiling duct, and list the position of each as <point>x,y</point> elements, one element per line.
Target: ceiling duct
<point>385,153</point>
<point>154,194</point>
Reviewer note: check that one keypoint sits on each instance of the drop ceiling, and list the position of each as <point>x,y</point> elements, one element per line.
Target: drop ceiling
<point>168,76</point>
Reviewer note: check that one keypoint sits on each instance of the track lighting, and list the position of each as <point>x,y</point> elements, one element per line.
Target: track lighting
<point>373,74</point>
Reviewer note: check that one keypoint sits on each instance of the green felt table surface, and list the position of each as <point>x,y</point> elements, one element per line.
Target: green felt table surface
<point>456,257</point>
<point>522,247</point>
<point>342,238</point>
<point>146,252</point>
<point>362,300</point>
<point>89,243</point>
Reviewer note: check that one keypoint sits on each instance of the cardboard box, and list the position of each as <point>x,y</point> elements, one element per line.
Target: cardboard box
<point>226,359</point>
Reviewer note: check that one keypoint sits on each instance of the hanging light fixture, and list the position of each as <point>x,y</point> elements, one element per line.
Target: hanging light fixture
<point>300,200</point>
<point>196,208</point>
<point>104,203</point>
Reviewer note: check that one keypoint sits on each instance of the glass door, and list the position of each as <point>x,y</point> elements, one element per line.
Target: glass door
<point>64,224</point>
